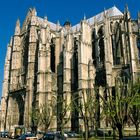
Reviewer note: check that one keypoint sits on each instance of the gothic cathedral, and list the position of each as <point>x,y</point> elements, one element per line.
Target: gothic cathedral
<point>45,60</point>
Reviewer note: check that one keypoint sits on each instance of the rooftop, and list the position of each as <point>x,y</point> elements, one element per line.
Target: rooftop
<point>111,12</point>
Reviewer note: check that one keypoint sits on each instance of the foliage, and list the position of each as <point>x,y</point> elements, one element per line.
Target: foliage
<point>43,115</point>
<point>117,105</point>
<point>134,108</point>
<point>35,119</point>
<point>47,112</point>
<point>46,115</point>
<point>86,107</point>
<point>64,112</point>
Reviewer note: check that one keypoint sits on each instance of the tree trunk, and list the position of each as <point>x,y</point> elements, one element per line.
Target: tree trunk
<point>137,129</point>
<point>86,129</point>
<point>120,130</point>
<point>46,129</point>
<point>114,133</point>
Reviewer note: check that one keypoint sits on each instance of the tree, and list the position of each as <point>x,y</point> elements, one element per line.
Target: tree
<point>64,115</point>
<point>43,115</point>
<point>46,115</point>
<point>117,104</point>
<point>135,104</point>
<point>86,107</point>
<point>35,119</point>
<point>47,112</point>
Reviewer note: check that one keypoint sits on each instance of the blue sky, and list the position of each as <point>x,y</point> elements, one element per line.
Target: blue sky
<point>62,10</point>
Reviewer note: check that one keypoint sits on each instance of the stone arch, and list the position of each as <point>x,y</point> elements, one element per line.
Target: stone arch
<point>20,102</point>
<point>16,110</point>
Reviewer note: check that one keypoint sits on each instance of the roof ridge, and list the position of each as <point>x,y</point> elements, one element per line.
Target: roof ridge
<point>113,11</point>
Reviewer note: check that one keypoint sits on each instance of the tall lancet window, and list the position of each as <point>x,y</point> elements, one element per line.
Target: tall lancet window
<point>138,46</point>
<point>75,66</point>
<point>101,53</point>
<point>94,42</point>
<point>113,42</point>
<point>52,49</point>
<point>118,52</point>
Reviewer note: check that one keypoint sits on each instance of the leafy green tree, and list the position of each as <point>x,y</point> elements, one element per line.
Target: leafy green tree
<point>46,115</point>
<point>47,112</point>
<point>86,107</point>
<point>134,108</point>
<point>117,105</point>
<point>43,115</point>
<point>35,119</point>
<point>64,113</point>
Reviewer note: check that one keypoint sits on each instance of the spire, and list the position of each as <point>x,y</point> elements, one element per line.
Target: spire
<point>46,18</point>
<point>45,23</point>
<point>104,13</point>
<point>139,15</point>
<point>18,22</point>
<point>58,25</point>
<point>127,12</point>
<point>11,41</point>
<point>76,29</point>
<point>126,8</point>
<point>84,16</point>
<point>34,13</point>
<point>95,20</point>
<point>17,28</point>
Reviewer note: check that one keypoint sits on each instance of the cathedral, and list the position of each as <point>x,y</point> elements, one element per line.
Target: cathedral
<point>46,60</point>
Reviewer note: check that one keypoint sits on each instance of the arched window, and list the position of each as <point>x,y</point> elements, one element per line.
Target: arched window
<point>101,53</point>
<point>94,53</point>
<point>138,46</point>
<point>52,49</point>
<point>117,48</point>
<point>75,67</point>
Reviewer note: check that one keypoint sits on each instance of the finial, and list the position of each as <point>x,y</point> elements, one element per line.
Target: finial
<point>46,18</point>
<point>17,28</point>
<point>127,13</point>
<point>84,16</point>
<point>94,20</point>
<point>58,23</point>
<point>104,12</point>
<point>76,29</point>
<point>11,41</point>
<point>138,14</point>
<point>126,8</point>
<point>18,22</point>
<point>34,13</point>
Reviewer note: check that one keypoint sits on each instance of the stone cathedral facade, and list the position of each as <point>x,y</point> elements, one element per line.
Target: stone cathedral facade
<point>45,59</point>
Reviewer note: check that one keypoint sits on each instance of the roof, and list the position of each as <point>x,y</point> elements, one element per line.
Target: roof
<point>111,12</point>
<point>53,26</point>
<point>114,11</point>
